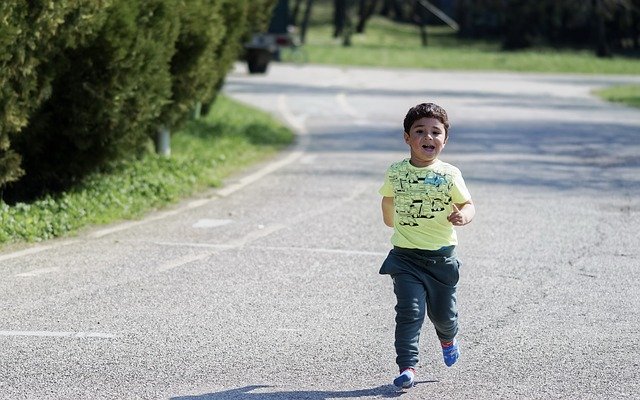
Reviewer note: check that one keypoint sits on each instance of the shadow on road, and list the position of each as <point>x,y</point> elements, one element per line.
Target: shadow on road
<point>246,393</point>
<point>549,154</point>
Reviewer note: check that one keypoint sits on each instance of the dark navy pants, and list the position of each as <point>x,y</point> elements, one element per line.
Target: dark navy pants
<point>424,283</point>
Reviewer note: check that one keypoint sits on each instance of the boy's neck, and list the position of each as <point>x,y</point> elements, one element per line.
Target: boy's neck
<point>419,164</point>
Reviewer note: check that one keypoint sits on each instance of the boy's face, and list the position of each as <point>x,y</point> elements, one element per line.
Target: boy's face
<point>426,138</point>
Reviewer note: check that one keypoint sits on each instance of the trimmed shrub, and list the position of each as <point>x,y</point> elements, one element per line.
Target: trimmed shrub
<point>31,34</point>
<point>105,95</point>
<point>84,83</point>
<point>193,65</point>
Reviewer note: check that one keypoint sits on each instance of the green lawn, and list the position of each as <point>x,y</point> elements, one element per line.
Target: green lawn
<point>389,44</point>
<point>629,95</point>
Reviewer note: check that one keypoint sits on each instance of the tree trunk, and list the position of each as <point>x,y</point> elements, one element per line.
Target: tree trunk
<point>362,15</point>
<point>339,17</point>
<point>394,6</point>
<point>305,21</point>
<point>602,45</point>
<point>420,14</point>
<point>295,12</point>
<point>348,26</point>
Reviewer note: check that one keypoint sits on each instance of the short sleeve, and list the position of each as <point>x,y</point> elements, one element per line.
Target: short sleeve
<point>459,192</point>
<point>387,188</point>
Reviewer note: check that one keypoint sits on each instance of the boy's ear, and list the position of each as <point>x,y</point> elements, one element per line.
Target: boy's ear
<point>406,137</point>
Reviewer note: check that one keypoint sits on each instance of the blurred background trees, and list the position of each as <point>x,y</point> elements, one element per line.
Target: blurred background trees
<point>606,26</point>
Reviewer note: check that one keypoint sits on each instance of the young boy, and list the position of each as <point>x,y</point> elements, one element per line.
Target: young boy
<point>423,199</point>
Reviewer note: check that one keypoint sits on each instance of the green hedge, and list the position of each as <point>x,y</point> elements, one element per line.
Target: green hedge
<point>31,35</point>
<point>85,83</point>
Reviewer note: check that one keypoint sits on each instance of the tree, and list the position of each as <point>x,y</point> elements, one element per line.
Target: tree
<point>366,9</point>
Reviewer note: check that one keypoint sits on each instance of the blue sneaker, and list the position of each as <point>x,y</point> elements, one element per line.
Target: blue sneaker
<point>450,353</point>
<point>405,379</point>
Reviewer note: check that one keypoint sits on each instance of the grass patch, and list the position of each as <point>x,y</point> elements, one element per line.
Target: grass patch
<point>625,94</point>
<point>388,44</point>
<point>207,150</point>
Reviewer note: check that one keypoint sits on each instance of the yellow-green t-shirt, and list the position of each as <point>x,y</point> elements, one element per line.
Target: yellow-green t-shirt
<point>422,199</point>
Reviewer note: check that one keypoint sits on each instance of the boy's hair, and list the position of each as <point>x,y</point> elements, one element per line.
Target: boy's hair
<point>426,110</point>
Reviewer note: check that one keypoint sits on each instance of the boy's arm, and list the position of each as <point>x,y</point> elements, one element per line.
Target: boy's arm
<point>463,213</point>
<point>387,211</point>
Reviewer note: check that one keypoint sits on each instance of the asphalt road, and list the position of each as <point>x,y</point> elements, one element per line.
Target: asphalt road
<point>268,288</point>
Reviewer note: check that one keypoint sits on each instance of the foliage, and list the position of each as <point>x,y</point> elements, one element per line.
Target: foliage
<point>105,95</point>
<point>204,152</point>
<point>606,26</point>
<point>390,44</point>
<point>192,66</point>
<point>626,94</point>
<point>84,83</point>
<point>31,34</point>
<point>603,25</point>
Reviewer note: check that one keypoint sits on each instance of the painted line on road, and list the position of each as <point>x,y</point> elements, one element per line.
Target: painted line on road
<point>275,248</point>
<point>165,214</point>
<point>205,223</point>
<point>249,179</point>
<point>179,262</point>
<point>79,335</point>
<point>341,98</point>
<point>324,250</point>
<point>37,272</point>
<point>241,242</point>
<point>254,235</point>
<point>35,250</point>
<point>358,117</point>
<point>297,123</point>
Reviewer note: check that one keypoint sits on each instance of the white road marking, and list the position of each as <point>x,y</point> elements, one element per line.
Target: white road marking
<point>97,335</point>
<point>296,123</point>
<point>175,263</point>
<point>201,245</point>
<point>254,235</point>
<point>308,159</point>
<point>324,250</point>
<point>37,272</point>
<point>341,98</point>
<point>275,248</point>
<point>358,117</point>
<point>249,179</point>
<point>241,242</point>
<point>211,223</point>
<point>35,250</point>
<point>126,225</point>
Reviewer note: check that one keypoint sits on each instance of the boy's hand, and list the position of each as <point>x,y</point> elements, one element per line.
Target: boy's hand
<point>457,218</point>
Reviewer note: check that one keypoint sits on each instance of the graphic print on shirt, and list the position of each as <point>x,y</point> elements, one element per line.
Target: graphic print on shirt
<point>419,194</point>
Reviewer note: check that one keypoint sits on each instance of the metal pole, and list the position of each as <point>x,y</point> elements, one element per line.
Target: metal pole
<point>163,141</point>
<point>197,110</point>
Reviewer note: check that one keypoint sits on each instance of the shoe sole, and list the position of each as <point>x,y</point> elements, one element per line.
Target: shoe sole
<point>403,382</point>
